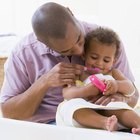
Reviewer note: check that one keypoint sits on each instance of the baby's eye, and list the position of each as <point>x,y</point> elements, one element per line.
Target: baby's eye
<point>106,61</point>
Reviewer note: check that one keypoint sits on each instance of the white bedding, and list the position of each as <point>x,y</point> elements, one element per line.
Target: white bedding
<point>21,130</point>
<point>7,43</point>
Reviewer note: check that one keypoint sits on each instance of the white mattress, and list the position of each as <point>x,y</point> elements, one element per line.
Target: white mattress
<point>21,130</point>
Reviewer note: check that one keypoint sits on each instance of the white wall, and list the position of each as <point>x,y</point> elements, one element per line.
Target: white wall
<point>121,15</point>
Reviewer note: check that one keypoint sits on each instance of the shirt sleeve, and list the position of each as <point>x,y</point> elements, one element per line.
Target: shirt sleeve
<point>88,26</point>
<point>123,65</point>
<point>15,78</point>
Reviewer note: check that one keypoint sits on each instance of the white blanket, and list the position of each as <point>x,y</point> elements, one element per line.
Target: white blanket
<point>21,130</point>
<point>66,109</point>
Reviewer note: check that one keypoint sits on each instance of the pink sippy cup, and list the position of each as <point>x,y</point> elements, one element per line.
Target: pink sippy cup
<point>98,83</point>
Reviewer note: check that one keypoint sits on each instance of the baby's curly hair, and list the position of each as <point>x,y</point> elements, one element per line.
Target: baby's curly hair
<point>103,36</point>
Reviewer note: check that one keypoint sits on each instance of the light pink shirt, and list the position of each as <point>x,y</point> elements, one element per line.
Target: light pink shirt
<point>29,60</point>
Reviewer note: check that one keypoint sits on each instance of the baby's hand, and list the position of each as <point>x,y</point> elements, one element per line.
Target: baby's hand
<point>111,87</point>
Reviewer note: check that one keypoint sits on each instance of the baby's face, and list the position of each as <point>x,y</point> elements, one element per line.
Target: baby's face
<point>101,56</point>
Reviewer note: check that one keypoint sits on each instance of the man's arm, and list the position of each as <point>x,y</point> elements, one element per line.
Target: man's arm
<point>131,101</point>
<point>24,105</point>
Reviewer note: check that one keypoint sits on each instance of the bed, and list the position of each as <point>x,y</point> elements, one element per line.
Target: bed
<point>21,130</point>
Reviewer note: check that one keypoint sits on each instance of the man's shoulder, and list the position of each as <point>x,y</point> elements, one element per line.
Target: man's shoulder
<point>26,43</point>
<point>29,39</point>
<point>88,26</point>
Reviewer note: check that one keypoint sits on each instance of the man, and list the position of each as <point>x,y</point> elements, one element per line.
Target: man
<point>45,61</point>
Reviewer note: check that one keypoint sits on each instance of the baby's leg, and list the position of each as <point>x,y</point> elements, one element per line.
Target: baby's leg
<point>128,118</point>
<point>91,119</point>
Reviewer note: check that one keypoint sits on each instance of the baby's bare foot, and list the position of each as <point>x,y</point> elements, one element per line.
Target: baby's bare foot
<point>112,123</point>
<point>136,131</point>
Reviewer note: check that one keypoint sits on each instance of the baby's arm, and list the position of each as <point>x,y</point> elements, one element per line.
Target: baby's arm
<point>120,85</point>
<point>70,92</point>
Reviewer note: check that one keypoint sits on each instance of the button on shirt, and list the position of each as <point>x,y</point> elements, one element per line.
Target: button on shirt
<point>30,59</point>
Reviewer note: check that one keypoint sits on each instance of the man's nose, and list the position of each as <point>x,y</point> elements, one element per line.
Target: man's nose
<point>78,50</point>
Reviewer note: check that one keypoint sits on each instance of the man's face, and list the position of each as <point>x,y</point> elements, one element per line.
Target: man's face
<point>72,44</point>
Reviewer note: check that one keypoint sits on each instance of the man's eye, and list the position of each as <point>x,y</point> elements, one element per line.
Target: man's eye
<point>93,57</point>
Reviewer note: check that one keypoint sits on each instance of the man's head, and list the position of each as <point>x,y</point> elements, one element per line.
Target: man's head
<point>55,26</point>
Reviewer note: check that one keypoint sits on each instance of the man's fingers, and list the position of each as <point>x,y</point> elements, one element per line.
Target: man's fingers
<point>64,73</point>
<point>65,79</point>
<point>68,76</point>
<point>103,100</point>
<point>106,101</point>
<point>99,101</point>
<point>71,70</point>
<point>69,67</point>
<point>94,99</point>
<point>67,82</point>
<point>66,69</point>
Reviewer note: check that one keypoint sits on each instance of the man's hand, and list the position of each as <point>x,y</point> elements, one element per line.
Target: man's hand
<point>62,74</point>
<point>104,100</point>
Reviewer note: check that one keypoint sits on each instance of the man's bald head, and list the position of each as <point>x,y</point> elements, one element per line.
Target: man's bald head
<point>50,21</point>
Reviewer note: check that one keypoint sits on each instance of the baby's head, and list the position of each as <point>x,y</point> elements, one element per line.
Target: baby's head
<point>101,49</point>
